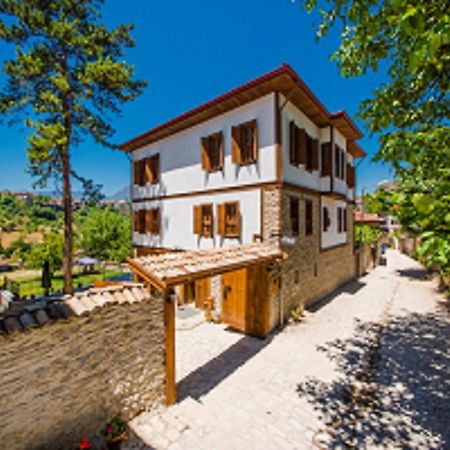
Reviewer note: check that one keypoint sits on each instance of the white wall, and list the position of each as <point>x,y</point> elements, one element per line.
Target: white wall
<point>331,237</point>
<point>177,221</point>
<point>180,154</point>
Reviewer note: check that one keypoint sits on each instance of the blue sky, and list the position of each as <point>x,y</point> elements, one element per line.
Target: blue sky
<point>190,52</point>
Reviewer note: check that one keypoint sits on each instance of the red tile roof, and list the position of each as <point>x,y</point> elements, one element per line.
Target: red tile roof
<point>283,79</point>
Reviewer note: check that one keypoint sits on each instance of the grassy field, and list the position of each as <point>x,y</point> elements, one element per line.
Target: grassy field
<point>31,285</point>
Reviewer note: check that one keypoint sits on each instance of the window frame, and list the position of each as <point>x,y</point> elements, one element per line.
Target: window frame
<point>202,228</point>
<point>294,222</point>
<point>309,217</point>
<point>232,228</point>
<point>326,219</point>
<point>244,155</point>
<point>207,153</point>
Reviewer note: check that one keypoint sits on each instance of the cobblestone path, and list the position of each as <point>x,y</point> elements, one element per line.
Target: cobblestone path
<point>368,368</point>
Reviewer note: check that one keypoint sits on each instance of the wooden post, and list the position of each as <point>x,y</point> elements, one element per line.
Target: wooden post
<point>169,323</point>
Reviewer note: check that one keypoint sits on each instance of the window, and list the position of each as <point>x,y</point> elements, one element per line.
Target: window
<point>308,217</point>
<point>139,221</point>
<point>229,220</point>
<point>245,143</point>
<point>303,149</point>
<point>344,218</point>
<point>146,170</point>
<point>326,159</point>
<point>153,221</point>
<point>337,161</point>
<point>212,152</point>
<point>294,215</point>
<point>203,220</point>
<point>339,219</point>
<point>152,169</point>
<point>326,219</point>
<point>343,164</point>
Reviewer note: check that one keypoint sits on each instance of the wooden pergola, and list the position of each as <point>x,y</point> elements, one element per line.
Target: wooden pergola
<point>164,271</point>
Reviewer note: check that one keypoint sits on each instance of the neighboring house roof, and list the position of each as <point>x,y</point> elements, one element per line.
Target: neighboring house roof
<point>25,314</point>
<point>283,79</point>
<point>367,218</point>
<point>175,268</point>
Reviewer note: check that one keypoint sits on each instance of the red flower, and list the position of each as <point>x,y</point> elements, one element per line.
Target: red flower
<point>109,430</point>
<point>85,444</point>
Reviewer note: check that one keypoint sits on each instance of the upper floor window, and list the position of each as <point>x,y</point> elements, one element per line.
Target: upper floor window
<point>147,170</point>
<point>203,220</point>
<point>326,219</point>
<point>350,176</point>
<point>139,221</point>
<point>212,152</point>
<point>229,220</point>
<point>303,149</point>
<point>294,215</point>
<point>308,217</point>
<point>245,143</point>
<point>339,162</point>
<point>326,159</point>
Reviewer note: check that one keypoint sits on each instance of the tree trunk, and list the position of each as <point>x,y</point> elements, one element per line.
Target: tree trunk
<point>67,201</point>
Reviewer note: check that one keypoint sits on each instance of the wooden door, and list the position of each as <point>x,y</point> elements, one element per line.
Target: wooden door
<point>202,292</point>
<point>257,308</point>
<point>234,298</point>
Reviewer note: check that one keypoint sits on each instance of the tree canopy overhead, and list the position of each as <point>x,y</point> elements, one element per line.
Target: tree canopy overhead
<point>66,78</point>
<point>410,111</point>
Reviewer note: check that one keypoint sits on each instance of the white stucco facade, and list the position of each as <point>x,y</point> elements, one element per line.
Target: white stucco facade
<point>332,237</point>
<point>180,154</point>
<point>177,221</point>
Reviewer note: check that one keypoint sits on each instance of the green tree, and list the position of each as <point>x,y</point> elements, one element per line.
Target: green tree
<point>410,111</point>
<point>67,76</point>
<point>51,251</point>
<point>105,234</point>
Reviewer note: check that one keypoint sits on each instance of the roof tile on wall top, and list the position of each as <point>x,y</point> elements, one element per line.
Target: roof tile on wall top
<point>27,314</point>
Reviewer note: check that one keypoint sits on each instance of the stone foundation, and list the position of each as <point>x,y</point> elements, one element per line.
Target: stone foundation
<point>308,273</point>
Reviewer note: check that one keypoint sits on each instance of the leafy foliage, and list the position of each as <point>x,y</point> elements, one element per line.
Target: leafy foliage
<point>105,234</point>
<point>367,234</point>
<point>411,110</point>
<point>50,251</point>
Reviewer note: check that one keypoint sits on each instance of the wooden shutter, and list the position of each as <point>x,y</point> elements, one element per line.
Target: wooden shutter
<point>302,142</point>
<point>235,148</point>
<point>136,221</point>
<point>350,176</point>
<point>308,217</point>
<point>238,219</point>
<point>156,168</point>
<point>197,219</point>
<point>254,125</point>
<point>339,219</point>
<point>293,153</point>
<point>326,159</point>
<point>221,219</point>
<point>156,220</point>
<point>221,151</point>
<point>206,165</point>
<point>337,161</point>
<point>343,165</point>
<point>344,210</point>
<point>147,171</point>
<point>148,221</point>
<point>136,173</point>
<point>315,154</point>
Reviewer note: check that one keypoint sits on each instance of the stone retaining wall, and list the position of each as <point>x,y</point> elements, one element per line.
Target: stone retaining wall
<point>66,379</point>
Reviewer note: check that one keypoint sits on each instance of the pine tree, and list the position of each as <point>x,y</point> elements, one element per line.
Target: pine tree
<point>67,76</point>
